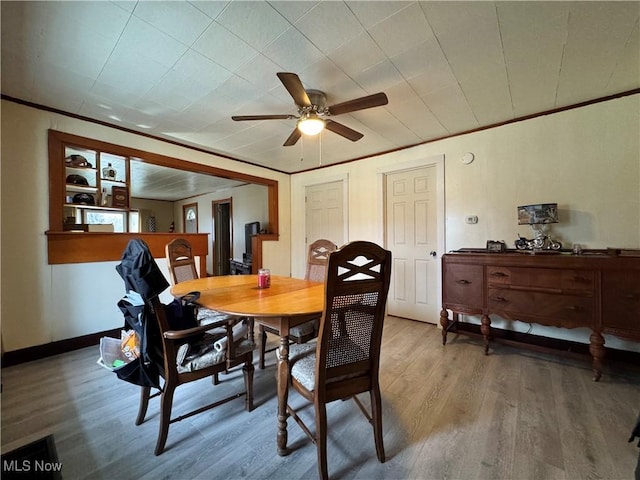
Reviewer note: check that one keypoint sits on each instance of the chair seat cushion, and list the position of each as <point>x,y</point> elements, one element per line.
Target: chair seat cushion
<point>206,316</point>
<point>299,331</point>
<point>203,353</point>
<point>304,329</point>
<point>302,364</point>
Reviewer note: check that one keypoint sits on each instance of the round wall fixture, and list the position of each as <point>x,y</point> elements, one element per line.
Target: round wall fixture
<point>467,158</point>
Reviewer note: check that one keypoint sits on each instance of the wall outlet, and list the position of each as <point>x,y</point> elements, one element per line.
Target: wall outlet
<point>471,219</point>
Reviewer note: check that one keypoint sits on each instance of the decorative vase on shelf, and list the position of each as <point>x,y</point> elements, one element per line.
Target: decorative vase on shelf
<point>109,173</point>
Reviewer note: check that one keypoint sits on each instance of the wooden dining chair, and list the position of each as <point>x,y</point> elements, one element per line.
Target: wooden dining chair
<point>173,348</point>
<point>184,356</point>
<point>180,260</point>
<point>317,258</point>
<point>182,267</point>
<point>344,361</point>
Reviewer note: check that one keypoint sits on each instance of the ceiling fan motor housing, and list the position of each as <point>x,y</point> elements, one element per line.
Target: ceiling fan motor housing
<point>318,101</point>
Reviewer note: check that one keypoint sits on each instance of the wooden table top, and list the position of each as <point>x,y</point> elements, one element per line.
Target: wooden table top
<point>240,295</point>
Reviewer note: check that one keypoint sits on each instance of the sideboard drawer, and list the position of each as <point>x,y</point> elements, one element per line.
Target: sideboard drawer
<point>568,311</point>
<point>464,285</point>
<point>577,280</point>
<point>621,302</point>
<point>542,278</point>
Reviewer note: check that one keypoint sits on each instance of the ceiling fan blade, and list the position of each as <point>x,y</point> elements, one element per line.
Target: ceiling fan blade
<point>292,83</point>
<point>362,103</point>
<point>240,118</point>
<point>343,130</point>
<point>293,138</point>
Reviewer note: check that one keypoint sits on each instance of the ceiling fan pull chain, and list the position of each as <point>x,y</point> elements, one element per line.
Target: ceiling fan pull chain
<point>320,141</point>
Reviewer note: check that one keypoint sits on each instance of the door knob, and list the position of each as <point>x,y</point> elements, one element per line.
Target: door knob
<point>433,253</point>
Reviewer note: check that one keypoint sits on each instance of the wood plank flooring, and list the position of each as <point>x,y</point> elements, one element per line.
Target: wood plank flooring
<point>449,413</point>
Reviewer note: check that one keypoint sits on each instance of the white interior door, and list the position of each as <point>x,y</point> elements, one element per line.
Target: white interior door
<point>411,219</point>
<point>324,213</point>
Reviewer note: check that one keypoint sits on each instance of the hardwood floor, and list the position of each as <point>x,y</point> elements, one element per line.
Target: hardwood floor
<point>449,413</point>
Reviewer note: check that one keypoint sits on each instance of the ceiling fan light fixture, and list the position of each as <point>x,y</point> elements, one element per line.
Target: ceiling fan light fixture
<point>311,124</point>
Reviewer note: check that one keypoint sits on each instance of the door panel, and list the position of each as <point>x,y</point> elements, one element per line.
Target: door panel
<point>325,213</point>
<point>411,226</point>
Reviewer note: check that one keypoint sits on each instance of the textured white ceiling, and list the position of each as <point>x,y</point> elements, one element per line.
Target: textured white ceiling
<point>179,70</point>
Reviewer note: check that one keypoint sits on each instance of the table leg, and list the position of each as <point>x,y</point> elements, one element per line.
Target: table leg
<point>283,394</point>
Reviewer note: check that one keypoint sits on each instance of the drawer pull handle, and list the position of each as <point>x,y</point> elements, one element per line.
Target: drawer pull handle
<point>630,296</point>
<point>498,274</point>
<point>574,308</point>
<point>463,282</point>
<point>500,299</point>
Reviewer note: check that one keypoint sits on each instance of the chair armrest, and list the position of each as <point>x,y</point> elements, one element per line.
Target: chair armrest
<point>182,334</point>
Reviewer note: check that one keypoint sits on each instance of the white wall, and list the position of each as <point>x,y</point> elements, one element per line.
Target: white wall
<point>587,160</point>
<point>43,303</point>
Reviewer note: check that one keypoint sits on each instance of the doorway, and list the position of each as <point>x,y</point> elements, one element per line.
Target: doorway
<point>324,213</point>
<point>222,240</point>
<point>413,233</point>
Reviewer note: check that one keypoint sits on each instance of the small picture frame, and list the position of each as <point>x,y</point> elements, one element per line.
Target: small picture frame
<point>119,197</point>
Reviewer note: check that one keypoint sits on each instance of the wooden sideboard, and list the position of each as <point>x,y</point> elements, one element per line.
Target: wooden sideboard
<point>594,290</point>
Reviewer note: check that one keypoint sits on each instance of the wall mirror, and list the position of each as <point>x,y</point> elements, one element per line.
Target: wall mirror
<point>155,182</point>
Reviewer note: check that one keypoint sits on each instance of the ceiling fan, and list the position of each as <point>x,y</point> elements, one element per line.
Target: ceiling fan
<point>313,112</point>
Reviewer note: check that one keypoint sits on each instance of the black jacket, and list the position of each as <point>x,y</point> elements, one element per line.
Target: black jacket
<point>140,271</point>
<point>141,275</point>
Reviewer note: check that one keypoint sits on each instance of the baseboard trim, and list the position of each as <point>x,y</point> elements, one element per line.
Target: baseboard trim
<point>510,337</point>
<point>37,352</point>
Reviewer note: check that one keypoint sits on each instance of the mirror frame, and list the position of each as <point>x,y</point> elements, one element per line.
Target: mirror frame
<point>81,247</point>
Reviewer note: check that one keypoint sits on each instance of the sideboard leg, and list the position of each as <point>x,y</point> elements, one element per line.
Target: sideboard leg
<point>444,323</point>
<point>597,350</point>
<point>485,329</point>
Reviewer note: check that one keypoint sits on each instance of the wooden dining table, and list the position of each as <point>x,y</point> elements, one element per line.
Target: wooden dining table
<point>288,302</point>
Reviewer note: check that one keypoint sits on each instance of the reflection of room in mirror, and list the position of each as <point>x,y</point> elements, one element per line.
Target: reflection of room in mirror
<point>190,217</point>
